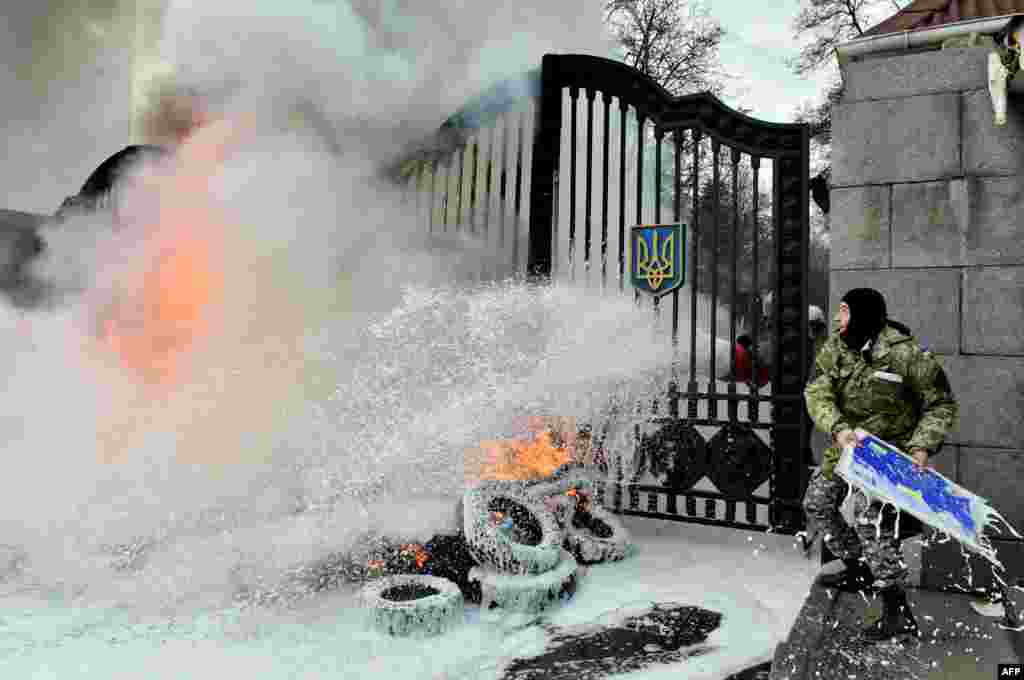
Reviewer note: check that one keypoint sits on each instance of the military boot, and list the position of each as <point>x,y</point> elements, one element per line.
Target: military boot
<point>854,579</point>
<point>897,622</point>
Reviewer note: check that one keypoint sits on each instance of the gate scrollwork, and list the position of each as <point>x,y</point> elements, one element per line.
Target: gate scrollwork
<point>739,462</point>
<point>675,455</point>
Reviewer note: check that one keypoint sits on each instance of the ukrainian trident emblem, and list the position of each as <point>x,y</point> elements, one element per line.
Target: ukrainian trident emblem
<point>658,257</point>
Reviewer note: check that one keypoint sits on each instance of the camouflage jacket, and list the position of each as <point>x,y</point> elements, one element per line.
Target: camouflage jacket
<point>901,396</point>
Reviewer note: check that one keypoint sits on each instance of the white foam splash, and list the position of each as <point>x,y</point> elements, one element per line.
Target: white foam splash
<point>878,489</point>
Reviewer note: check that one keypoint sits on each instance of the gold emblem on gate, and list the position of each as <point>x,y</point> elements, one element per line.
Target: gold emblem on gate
<point>658,257</point>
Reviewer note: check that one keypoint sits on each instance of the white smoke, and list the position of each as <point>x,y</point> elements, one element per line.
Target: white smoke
<point>290,404</point>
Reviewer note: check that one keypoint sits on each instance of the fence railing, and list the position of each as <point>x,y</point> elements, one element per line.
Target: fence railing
<point>507,169</point>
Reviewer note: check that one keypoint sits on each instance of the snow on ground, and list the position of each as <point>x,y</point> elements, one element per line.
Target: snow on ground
<point>757,581</point>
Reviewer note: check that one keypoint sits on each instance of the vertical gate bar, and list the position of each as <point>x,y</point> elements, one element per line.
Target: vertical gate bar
<point>591,93</point>
<point>658,134</point>
<point>574,94</point>
<point>607,99</point>
<point>520,136</point>
<point>622,194</point>
<point>789,432</point>
<point>755,401</point>
<point>673,398</point>
<point>489,178</point>
<point>447,191</point>
<point>544,170</point>
<point>774,511</point>
<point>620,475</point>
<point>519,195</point>
<point>677,217</point>
<point>695,134</point>
<point>458,189</point>
<point>503,181</point>
<point>777,171</point>
<point>433,199</point>
<point>639,179</point>
<point>418,188</point>
<point>716,206</point>
<point>533,104</point>
<point>805,360</point>
<point>472,185</point>
<point>735,253</point>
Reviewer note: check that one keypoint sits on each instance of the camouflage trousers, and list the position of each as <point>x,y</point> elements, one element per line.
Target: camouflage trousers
<point>871,539</point>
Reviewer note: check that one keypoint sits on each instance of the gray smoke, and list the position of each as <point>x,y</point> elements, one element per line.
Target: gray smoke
<point>212,482</point>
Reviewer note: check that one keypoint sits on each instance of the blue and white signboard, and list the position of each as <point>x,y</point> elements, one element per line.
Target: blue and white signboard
<point>888,475</point>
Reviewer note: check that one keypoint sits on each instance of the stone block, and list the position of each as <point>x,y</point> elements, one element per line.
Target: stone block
<point>988,149</point>
<point>996,204</point>
<point>913,74</point>
<point>896,140</point>
<point>860,227</point>
<point>947,462</point>
<point>929,224</point>
<point>990,391</point>
<point>926,300</point>
<point>995,474</point>
<point>945,567</point>
<point>993,310</point>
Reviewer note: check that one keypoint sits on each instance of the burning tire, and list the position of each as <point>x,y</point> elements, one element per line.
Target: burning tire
<point>597,536</point>
<point>508,530</point>
<point>559,496</point>
<point>531,595</point>
<point>413,604</point>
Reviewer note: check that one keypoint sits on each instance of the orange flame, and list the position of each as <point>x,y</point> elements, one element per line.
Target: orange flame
<point>162,314</point>
<point>516,459</point>
<point>174,302</point>
<point>158,318</point>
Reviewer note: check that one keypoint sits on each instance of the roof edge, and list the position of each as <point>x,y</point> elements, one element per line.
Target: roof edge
<point>859,47</point>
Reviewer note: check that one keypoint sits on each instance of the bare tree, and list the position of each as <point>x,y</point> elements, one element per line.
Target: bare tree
<point>675,42</point>
<point>828,24</point>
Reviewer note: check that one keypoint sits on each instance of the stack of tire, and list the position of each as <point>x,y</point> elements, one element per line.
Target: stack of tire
<point>592,533</point>
<point>530,540</point>
<point>413,604</point>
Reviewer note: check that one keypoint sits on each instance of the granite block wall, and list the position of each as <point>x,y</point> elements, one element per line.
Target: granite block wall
<point>928,200</point>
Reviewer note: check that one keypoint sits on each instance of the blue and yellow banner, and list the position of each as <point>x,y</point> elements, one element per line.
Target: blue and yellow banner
<point>658,257</point>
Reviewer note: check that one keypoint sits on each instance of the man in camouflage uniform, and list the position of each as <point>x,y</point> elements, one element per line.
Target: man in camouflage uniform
<point>872,376</point>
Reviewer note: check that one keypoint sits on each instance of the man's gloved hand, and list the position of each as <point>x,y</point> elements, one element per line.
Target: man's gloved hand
<point>841,440</point>
<point>845,438</point>
<point>920,457</point>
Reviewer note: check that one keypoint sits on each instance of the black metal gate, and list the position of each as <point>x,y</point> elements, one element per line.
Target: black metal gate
<point>498,170</point>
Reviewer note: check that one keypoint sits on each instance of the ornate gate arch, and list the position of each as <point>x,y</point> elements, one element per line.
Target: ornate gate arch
<point>498,168</point>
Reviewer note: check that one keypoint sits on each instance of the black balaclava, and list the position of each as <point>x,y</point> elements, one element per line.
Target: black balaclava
<point>867,317</point>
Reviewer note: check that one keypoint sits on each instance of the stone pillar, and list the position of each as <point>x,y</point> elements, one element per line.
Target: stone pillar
<point>927,204</point>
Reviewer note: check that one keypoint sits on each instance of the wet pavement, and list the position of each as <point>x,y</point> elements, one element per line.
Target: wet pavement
<point>955,642</point>
<point>668,633</point>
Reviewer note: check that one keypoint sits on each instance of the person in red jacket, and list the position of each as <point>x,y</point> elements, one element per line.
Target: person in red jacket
<point>744,363</point>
